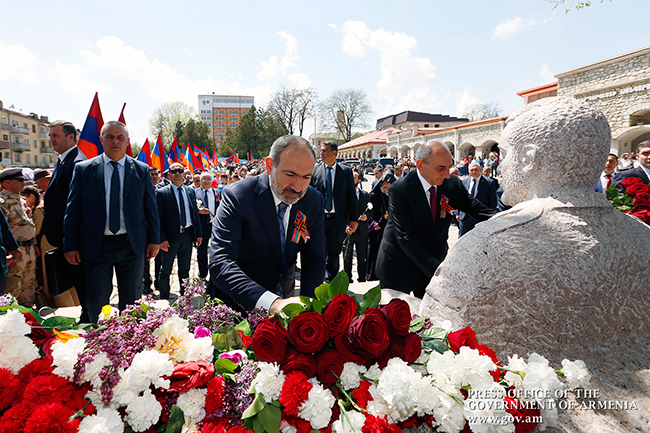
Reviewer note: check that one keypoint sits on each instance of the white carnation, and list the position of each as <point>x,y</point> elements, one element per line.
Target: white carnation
<point>13,324</point>
<point>349,422</point>
<point>200,349</point>
<point>449,414</point>
<point>444,324</point>
<point>441,366</point>
<point>425,395</point>
<point>192,403</point>
<point>393,389</point>
<point>350,375</point>
<point>541,376</point>
<point>93,368</point>
<point>65,356</point>
<point>477,408</point>
<point>517,364</point>
<point>143,412</point>
<point>106,421</point>
<point>549,417</point>
<point>16,352</point>
<point>576,373</point>
<point>318,407</point>
<point>269,381</point>
<point>373,372</point>
<point>123,392</point>
<point>148,367</point>
<point>285,427</point>
<point>473,369</point>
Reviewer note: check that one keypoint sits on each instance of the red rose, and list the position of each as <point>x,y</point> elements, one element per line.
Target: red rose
<point>369,333</point>
<point>642,198</point>
<point>38,335</point>
<point>339,313</point>
<point>269,341</point>
<point>296,361</point>
<point>245,339</point>
<point>641,213</point>
<point>630,181</point>
<point>398,316</point>
<point>308,332</point>
<point>347,352</point>
<point>460,338</point>
<point>330,365</point>
<point>407,348</point>
<point>486,351</point>
<point>637,188</point>
<point>188,375</point>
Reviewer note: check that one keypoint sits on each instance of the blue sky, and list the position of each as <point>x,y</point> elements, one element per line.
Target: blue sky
<point>432,56</point>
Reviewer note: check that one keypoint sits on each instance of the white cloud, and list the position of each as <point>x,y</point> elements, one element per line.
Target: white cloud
<point>465,101</point>
<point>273,65</point>
<point>18,63</point>
<point>332,26</point>
<point>508,28</point>
<point>405,79</point>
<point>546,74</point>
<point>72,79</point>
<point>300,80</point>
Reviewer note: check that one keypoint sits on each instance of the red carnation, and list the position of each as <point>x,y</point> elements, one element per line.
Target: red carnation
<point>269,341</point>
<point>38,367</point>
<point>407,348</point>
<point>52,418</point>
<point>369,333</point>
<point>398,316</point>
<point>330,366</point>
<point>188,375</point>
<point>361,394</point>
<point>308,332</point>
<point>521,415</point>
<point>9,388</point>
<point>214,396</point>
<point>375,424</point>
<point>462,337</point>
<point>296,361</point>
<point>339,313</point>
<point>295,391</point>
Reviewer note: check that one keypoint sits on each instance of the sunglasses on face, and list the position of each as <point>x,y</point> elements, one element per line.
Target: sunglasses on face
<point>176,171</point>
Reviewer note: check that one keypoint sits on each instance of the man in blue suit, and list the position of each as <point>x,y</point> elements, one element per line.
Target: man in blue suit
<point>481,188</point>
<point>643,170</point>
<point>358,239</point>
<point>111,221</point>
<point>262,223</point>
<point>607,176</point>
<point>180,228</point>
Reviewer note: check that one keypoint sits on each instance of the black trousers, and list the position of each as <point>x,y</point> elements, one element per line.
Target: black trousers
<point>181,249</point>
<point>334,235</point>
<point>358,242</point>
<point>114,253</point>
<point>202,250</point>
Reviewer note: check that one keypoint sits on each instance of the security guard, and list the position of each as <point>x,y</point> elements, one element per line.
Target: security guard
<point>21,279</point>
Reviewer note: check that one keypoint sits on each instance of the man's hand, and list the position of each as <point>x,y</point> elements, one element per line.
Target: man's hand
<point>152,250</point>
<point>37,251</point>
<point>73,257</point>
<point>363,217</point>
<point>198,242</point>
<point>352,227</point>
<point>204,211</point>
<point>17,255</point>
<point>11,261</point>
<point>164,246</point>
<point>280,303</point>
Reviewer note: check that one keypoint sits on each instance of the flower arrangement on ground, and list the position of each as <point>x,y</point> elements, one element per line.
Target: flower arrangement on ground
<point>633,198</point>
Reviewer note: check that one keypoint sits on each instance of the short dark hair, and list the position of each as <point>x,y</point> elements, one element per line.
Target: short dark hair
<point>642,145</point>
<point>68,128</point>
<point>333,145</point>
<point>151,168</point>
<point>285,142</point>
<point>32,190</point>
<point>613,154</point>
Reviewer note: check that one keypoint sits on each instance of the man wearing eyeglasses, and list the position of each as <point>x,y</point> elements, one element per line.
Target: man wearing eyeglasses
<point>21,279</point>
<point>180,228</point>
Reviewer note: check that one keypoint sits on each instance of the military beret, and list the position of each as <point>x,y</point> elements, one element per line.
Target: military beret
<point>39,174</point>
<point>11,173</point>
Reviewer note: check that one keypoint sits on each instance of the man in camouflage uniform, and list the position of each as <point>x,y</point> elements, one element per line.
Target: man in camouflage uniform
<point>21,279</point>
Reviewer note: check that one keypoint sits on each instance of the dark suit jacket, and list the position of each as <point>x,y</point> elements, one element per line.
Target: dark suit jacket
<point>56,198</point>
<point>170,218</point>
<point>362,204</point>
<point>85,217</point>
<point>343,195</point>
<point>245,255</point>
<point>412,247</point>
<point>633,172</point>
<point>486,194</point>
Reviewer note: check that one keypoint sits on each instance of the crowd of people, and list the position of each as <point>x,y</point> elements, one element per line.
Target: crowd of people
<point>112,215</point>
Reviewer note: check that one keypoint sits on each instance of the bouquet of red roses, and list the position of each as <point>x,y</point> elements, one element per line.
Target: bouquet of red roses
<point>634,199</point>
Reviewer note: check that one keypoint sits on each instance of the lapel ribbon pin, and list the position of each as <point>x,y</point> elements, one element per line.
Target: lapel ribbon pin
<point>444,206</point>
<point>300,228</point>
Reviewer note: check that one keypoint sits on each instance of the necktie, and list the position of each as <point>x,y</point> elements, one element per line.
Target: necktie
<point>57,167</point>
<point>434,203</point>
<point>328,191</point>
<point>282,208</point>
<point>114,209</point>
<point>473,188</point>
<point>609,180</point>
<point>181,202</point>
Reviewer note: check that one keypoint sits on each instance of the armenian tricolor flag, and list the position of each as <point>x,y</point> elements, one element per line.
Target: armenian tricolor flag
<point>158,158</point>
<point>233,159</point>
<point>89,142</point>
<point>145,153</point>
<point>188,159</point>
<point>174,152</point>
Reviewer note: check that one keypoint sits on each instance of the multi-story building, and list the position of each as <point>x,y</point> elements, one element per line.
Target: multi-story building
<point>24,140</point>
<point>223,112</point>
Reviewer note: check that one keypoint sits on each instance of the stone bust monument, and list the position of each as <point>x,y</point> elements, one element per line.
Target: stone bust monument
<point>562,273</point>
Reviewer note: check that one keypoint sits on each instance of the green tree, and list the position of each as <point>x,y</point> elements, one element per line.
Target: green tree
<point>478,112</point>
<point>257,131</point>
<point>344,110</point>
<point>165,118</point>
<point>197,133</point>
<point>292,107</point>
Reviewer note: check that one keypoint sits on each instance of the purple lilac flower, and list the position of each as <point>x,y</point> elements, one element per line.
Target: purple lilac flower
<point>236,398</point>
<point>214,317</point>
<point>5,300</point>
<point>256,316</point>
